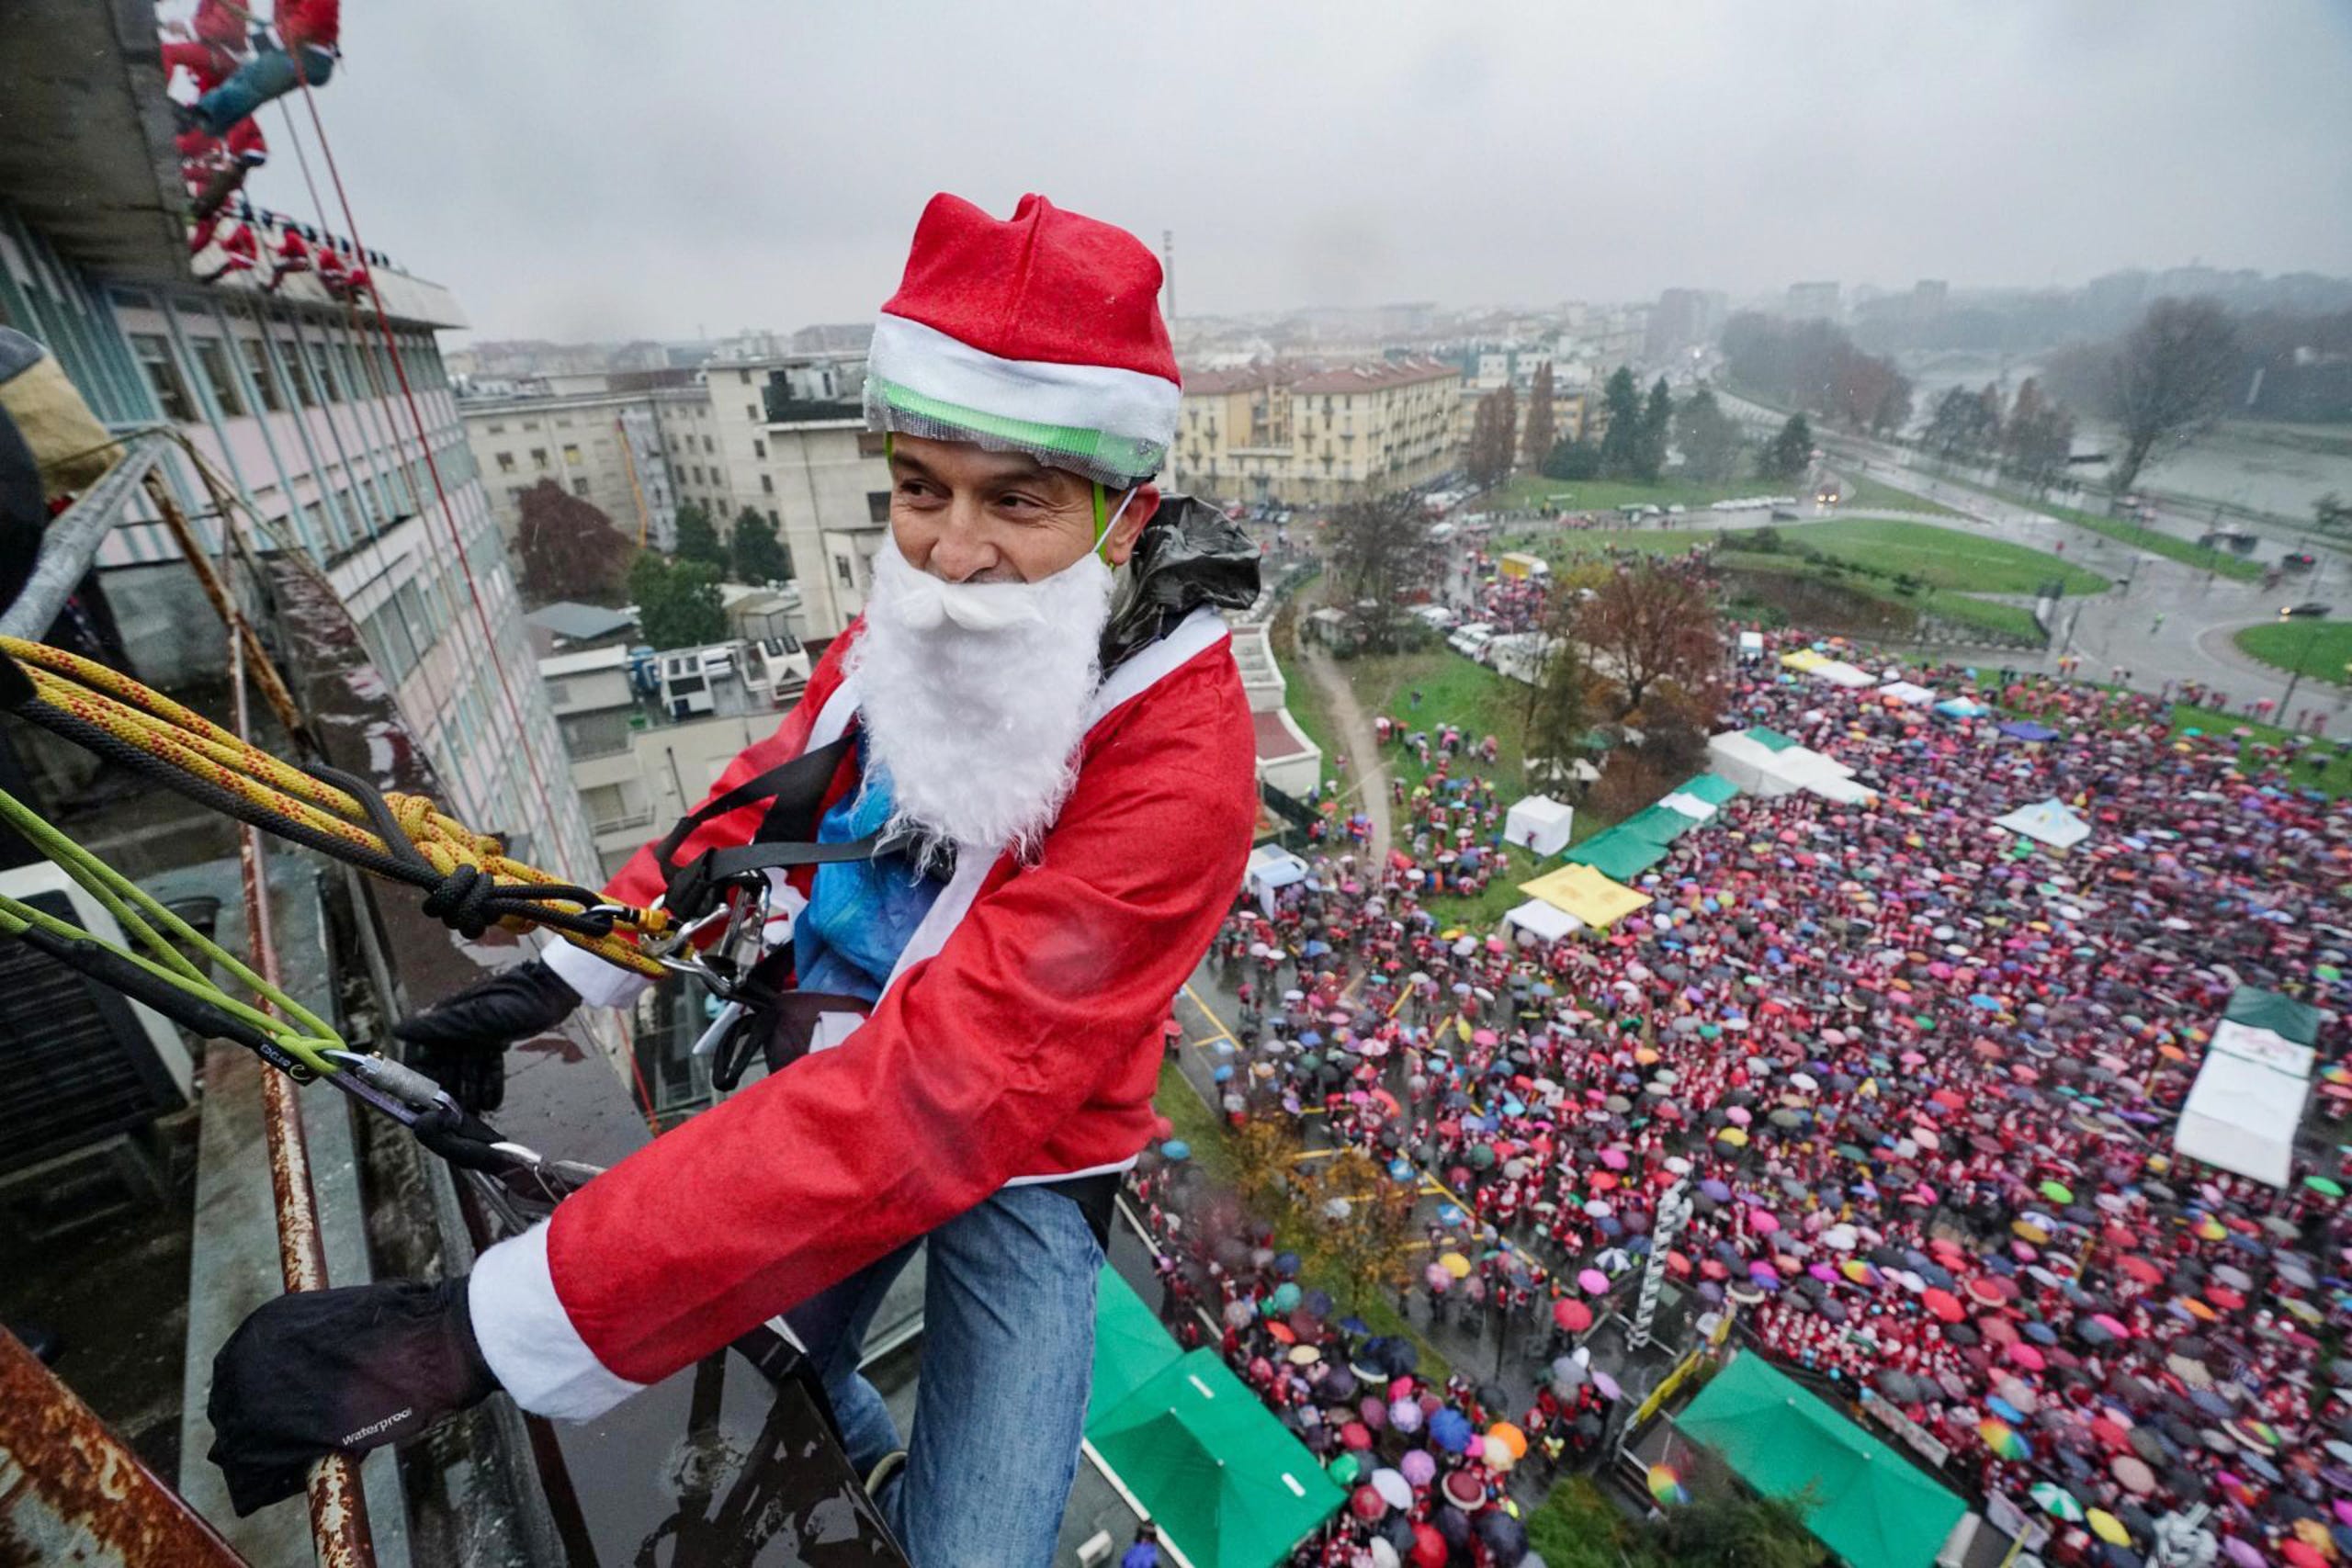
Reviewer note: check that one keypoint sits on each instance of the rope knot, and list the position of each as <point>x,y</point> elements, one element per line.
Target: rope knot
<point>461,901</point>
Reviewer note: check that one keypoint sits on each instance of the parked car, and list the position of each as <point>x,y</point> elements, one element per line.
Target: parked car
<point>1470,639</point>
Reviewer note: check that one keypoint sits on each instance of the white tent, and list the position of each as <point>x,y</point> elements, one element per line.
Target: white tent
<point>1910,694</point>
<point>2249,1099</point>
<point>1743,759</point>
<point>1837,672</point>
<point>1751,646</point>
<point>1536,920</point>
<point>1539,824</point>
<point>1271,866</point>
<point>1844,791</point>
<point>1691,805</point>
<point>2048,822</point>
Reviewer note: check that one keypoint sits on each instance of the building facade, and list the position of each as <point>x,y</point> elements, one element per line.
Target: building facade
<point>605,448</point>
<point>1321,437</point>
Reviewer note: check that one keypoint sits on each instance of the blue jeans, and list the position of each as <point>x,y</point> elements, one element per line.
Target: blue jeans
<point>269,74</point>
<point>1008,1355</point>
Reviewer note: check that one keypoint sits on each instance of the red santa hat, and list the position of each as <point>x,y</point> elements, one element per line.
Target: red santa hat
<point>1037,334</point>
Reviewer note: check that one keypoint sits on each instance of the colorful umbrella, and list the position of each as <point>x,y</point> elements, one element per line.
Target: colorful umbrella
<point>1667,1486</point>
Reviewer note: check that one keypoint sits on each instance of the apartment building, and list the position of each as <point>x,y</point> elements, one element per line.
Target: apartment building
<point>606,448</point>
<point>1318,436</point>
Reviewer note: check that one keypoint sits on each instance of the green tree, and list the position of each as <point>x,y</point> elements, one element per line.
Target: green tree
<point>1709,437</point>
<point>1539,431</point>
<point>1788,454</point>
<point>1621,401</point>
<point>1658,420</point>
<point>698,537</point>
<point>1573,460</point>
<point>760,556</point>
<point>678,604</point>
<point>1557,716</point>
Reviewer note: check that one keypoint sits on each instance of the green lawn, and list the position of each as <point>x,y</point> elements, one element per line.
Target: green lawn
<point>1864,495</point>
<point>1203,1129</point>
<point>2172,547</point>
<point>2010,620</point>
<point>2318,648</point>
<point>2312,770</point>
<point>1938,556</point>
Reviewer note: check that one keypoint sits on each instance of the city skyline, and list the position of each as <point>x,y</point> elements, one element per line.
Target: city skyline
<point>735,167</point>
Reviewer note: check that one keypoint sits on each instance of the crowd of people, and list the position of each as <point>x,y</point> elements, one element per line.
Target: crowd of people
<point>1917,1077</point>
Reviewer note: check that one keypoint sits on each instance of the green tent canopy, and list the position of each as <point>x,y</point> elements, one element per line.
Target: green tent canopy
<point>1130,1346</point>
<point>1769,739</point>
<point>2283,1016</point>
<point>1658,825</point>
<point>1712,788</point>
<point>1225,1480</point>
<point>1617,855</point>
<point>1870,1505</point>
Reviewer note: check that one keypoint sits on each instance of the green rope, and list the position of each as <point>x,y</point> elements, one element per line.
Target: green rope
<point>157,930</point>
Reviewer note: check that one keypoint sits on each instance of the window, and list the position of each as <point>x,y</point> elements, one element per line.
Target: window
<point>565,421</point>
<point>213,361</point>
<point>586,734</point>
<point>494,430</point>
<point>164,376</point>
<point>877,506</point>
<point>538,456</point>
<point>706,445</point>
<point>744,377</point>
<point>759,449</point>
<point>571,454</point>
<point>265,381</point>
<point>506,462</point>
<point>580,487</point>
<point>751,412</point>
<point>773,519</point>
<point>767,483</point>
<point>842,571</point>
<point>324,371</point>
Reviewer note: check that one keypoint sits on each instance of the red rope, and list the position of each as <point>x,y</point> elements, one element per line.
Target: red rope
<point>424,443</point>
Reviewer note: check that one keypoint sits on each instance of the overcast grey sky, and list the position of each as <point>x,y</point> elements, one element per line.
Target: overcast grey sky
<point>589,169</point>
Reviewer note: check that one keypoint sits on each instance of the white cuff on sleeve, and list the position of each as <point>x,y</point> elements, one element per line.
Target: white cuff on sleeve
<point>528,1338</point>
<point>606,985</point>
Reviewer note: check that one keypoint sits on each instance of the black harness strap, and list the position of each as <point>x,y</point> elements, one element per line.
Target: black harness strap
<point>795,792</point>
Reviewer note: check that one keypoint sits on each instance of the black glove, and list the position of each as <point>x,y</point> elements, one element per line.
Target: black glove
<point>351,1368</point>
<point>462,1043</point>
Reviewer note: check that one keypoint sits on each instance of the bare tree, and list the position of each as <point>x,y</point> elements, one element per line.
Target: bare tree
<point>1646,626</point>
<point>1541,431</point>
<point>2170,380</point>
<point>1379,547</point>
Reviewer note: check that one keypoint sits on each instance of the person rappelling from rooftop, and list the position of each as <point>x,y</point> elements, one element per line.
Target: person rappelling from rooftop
<point>991,842</point>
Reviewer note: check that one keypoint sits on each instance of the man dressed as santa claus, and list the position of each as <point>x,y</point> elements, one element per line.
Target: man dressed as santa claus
<point>1039,802</point>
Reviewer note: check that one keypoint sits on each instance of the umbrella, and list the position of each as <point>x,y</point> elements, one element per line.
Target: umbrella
<point>1367,1504</point>
<point>1394,1489</point>
<point>2056,1500</point>
<point>1667,1486</point>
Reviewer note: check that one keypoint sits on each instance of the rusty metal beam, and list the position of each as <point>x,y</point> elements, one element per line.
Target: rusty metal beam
<point>71,1491</point>
<point>338,1510</point>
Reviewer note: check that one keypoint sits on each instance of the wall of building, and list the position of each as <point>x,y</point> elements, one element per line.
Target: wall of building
<point>605,450</point>
<point>300,417</point>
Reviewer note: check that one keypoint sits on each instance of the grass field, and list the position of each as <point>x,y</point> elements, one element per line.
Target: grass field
<point>1203,1129</point>
<point>1864,495</point>
<point>2315,770</point>
<point>2318,648</point>
<point>2172,547</point>
<point>1939,557</point>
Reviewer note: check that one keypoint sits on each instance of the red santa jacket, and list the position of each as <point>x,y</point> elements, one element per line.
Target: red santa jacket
<point>1018,1038</point>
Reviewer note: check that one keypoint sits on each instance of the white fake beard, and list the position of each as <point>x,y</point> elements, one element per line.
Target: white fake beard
<point>974,698</point>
